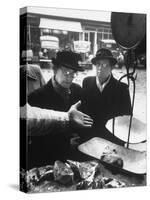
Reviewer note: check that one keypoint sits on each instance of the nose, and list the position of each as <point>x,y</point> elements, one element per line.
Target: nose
<point>69,78</point>
<point>99,68</point>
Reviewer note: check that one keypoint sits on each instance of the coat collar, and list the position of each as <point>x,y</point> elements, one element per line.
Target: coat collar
<point>64,93</point>
<point>103,85</point>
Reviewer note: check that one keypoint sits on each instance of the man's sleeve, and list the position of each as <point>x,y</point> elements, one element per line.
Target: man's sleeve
<point>43,121</point>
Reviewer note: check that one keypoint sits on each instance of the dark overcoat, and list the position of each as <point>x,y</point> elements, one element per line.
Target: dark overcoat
<point>46,97</point>
<point>113,101</point>
<point>46,149</point>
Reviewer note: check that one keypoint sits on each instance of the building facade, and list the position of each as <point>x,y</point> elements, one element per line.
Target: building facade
<point>45,30</point>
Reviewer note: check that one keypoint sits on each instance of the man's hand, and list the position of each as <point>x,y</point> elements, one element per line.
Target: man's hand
<point>79,119</point>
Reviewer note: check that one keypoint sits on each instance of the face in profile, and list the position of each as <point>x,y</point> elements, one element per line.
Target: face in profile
<point>64,76</point>
<point>103,69</point>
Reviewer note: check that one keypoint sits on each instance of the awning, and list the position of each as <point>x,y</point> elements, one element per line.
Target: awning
<point>60,25</point>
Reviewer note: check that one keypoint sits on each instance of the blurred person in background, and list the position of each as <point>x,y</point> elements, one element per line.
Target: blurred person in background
<point>30,74</point>
<point>120,60</point>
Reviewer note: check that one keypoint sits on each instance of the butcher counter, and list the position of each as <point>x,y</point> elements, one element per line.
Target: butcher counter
<point>88,172</point>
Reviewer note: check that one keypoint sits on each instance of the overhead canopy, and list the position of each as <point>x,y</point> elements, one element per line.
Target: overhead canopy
<point>60,25</point>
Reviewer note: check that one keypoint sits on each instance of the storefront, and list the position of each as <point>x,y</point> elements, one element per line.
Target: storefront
<point>67,25</point>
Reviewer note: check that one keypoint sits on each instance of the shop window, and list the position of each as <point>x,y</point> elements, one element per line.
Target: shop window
<point>99,37</point>
<point>106,36</point>
<point>86,36</point>
<point>110,36</point>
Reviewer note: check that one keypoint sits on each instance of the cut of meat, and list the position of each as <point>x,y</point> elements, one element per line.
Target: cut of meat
<point>134,161</point>
<point>75,168</point>
<point>84,170</point>
<point>110,156</point>
<point>114,184</point>
<point>63,173</point>
<point>104,182</point>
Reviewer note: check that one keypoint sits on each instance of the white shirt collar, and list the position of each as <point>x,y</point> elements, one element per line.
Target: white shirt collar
<point>102,86</point>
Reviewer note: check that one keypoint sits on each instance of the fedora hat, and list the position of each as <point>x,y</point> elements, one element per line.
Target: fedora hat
<point>104,54</point>
<point>68,59</point>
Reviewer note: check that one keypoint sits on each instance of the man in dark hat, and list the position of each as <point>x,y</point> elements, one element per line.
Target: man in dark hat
<point>59,94</point>
<point>104,97</point>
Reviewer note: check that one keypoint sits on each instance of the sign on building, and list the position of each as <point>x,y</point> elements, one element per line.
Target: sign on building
<point>82,46</point>
<point>49,42</point>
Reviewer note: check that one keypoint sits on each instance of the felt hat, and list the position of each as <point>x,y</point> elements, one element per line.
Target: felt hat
<point>68,59</point>
<point>104,53</point>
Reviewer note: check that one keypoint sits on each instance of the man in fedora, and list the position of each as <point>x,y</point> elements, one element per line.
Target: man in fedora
<point>59,94</point>
<point>104,97</point>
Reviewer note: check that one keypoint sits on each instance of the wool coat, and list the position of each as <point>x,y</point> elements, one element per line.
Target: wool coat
<point>113,101</point>
<point>46,97</point>
<point>46,149</point>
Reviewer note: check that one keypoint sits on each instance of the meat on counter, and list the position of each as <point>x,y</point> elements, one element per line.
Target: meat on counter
<point>111,156</point>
